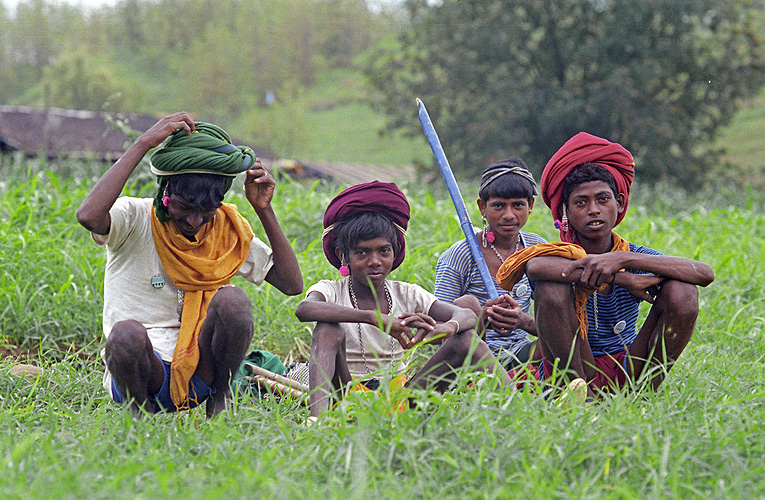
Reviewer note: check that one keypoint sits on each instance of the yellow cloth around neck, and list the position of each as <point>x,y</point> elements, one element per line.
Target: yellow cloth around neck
<point>199,268</point>
<point>511,271</point>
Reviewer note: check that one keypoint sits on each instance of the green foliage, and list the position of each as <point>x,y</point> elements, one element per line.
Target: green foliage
<point>502,78</point>
<point>699,436</point>
<point>76,81</point>
<point>330,122</point>
<point>220,56</point>
<point>50,292</point>
<point>744,143</point>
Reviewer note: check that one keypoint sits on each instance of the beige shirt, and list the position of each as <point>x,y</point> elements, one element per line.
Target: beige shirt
<point>132,262</point>
<point>379,349</point>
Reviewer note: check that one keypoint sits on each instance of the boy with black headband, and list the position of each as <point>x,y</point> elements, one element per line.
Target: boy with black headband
<point>505,199</point>
<point>590,327</point>
<point>175,328</point>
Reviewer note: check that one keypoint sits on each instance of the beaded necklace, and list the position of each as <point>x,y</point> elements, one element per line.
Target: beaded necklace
<point>496,252</point>
<point>355,303</point>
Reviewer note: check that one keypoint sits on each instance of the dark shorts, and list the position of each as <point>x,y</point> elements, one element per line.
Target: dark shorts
<point>610,370</point>
<point>198,392</point>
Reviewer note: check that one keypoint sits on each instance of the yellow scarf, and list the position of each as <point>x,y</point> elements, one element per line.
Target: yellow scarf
<point>511,271</point>
<point>199,268</point>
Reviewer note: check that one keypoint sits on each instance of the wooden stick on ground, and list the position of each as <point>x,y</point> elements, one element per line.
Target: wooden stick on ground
<point>262,372</point>
<point>276,388</point>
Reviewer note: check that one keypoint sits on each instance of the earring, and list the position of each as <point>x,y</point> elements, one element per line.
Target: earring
<point>344,269</point>
<point>165,198</point>
<point>487,235</point>
<point>563,223</point>
<point>530,216</point>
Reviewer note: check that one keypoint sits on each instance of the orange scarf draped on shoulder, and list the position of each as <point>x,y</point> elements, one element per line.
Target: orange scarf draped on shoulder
<point>512,270</point>
<point>199,268</point>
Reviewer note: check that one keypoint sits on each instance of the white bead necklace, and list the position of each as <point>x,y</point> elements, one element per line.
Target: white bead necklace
<point>496,252</point>
<point>355,303</point>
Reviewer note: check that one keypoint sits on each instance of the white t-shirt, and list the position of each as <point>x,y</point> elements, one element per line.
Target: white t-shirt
<point>132,262</point>
<point>381,349</point>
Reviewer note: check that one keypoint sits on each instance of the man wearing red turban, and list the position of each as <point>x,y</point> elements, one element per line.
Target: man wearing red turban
<point>580,149</point>
<point>589,328</point>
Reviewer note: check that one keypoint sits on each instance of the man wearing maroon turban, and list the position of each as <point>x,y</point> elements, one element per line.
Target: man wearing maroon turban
<point>384,198</point>
<point>365,322</point>
<point>589,328</point>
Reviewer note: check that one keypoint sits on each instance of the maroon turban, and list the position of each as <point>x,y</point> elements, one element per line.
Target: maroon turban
<point>382,197</point>
<point>580,149</point>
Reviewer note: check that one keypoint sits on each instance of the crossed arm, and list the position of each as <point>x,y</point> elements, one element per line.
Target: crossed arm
<point>442,321</point>
<point>598,269</point>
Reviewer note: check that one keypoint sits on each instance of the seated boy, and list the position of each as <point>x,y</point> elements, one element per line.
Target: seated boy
<point>364,238</point>
<point>590,328</point>
<point>175,328</point>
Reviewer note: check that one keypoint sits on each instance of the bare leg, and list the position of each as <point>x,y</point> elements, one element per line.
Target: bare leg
<point>327,367</point>
<point>132,363</point>
<point>224,338</point>
<point>471,302</point>
<point>558,326</point>
<point>665,333</point>
<point>439,370</point>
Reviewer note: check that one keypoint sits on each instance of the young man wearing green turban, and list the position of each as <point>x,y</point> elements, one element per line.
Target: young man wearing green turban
<point>175,328</point>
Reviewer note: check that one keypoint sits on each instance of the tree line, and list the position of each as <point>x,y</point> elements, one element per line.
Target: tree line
<point>219,56</point>
<point>520,77</point>
<point>499,77</point>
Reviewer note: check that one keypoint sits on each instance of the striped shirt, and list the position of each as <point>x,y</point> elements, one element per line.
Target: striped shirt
<point>457,275</point>
<point>613,329</point>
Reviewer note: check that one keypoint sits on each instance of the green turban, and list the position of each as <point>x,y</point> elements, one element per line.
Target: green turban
<point>207,150</point>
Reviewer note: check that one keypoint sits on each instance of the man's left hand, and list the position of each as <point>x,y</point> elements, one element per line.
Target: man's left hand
<point>259,186</point>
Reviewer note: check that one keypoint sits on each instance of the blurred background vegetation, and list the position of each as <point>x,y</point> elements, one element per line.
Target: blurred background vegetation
<point>679,82</point>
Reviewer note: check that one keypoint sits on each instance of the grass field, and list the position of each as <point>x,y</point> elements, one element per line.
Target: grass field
<point>700,436</point>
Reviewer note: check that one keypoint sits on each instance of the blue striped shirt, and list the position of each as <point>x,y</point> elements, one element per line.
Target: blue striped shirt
<point>457,275</point>
<point>614,328</point>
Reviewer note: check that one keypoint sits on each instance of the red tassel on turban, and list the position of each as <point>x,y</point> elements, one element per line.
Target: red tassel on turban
<point>580,149</point>
<point>382,197</point>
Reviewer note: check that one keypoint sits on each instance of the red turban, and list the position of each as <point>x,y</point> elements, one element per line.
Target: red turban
<point>382,197</point>
<point>580,149</point>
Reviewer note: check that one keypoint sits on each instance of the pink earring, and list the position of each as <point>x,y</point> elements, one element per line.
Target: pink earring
<point>344,269</point>
<point>166,200</point>
<point>487,235</point>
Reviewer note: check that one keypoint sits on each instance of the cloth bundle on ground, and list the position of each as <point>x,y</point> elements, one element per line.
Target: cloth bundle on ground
<point>199,267</point>
<point>207,150</point>
<point>263,359</point>
<point>381,197</point>
<point>580,149</point>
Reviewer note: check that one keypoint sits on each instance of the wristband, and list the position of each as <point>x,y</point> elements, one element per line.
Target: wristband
<point>457,324</point>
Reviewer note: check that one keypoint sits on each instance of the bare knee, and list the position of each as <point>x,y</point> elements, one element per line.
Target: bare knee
<point>550,295</point>
<point>459,346</point>
<point>129,355</point>
<point>680,300</point>
<point>469,302</point>
<point>327,336</point>
<point>232,305</point>
<point>127,339</point>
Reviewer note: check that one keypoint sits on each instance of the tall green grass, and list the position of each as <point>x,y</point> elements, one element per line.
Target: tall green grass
<point>699,436</point>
